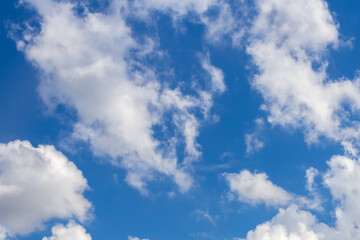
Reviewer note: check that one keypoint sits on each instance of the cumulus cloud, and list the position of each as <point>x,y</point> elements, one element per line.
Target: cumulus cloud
<point>288,43</point>
<point>36,185</point>
<point>287,40</point>
<point>71,231</point>
<point>90,63</point>
<point>343,179</point>
<point>255,188</point>
<point>293,224</point>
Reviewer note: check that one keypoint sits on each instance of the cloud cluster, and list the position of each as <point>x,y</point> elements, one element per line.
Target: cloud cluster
<point>288,43</point>
<point>291,223</point>
<point>341,179</point>
<point>37,185</point>
<point>91,63</point>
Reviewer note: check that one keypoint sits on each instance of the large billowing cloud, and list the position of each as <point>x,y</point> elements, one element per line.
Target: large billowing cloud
<point>91,63</point>
<point>71,231</point>
<point>36,185</point>
<point>287,41</point>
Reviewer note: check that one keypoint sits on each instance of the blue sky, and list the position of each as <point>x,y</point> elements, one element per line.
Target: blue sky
<point>160,119</point>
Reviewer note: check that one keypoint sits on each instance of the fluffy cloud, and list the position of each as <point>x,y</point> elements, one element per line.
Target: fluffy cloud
<point>36,185</point>
<point>256,188</point>
<point>293,224</point>
<point>343,179</point>
<point>91,64</point>
<point>287,39</point>
<point>71,231</point>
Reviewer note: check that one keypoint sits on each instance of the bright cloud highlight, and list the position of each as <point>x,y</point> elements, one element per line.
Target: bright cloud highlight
<point>37,185</point>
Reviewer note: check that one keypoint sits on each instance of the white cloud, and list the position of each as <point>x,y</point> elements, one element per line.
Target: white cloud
<point>178,8</point>
<point>204,215</point>
<point>256,188</point>
<point>293,224</point>
<point>91,64</point>
<point>343,179</point>
<point>253,141</point>
<point>219,23</point>
<point>316,201</point>
<point>311,173</point>
<point>136,238</point>
<point>217,76</point>
<point>71,231</point>
<point>287,39</point>
<point>36,185</point>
